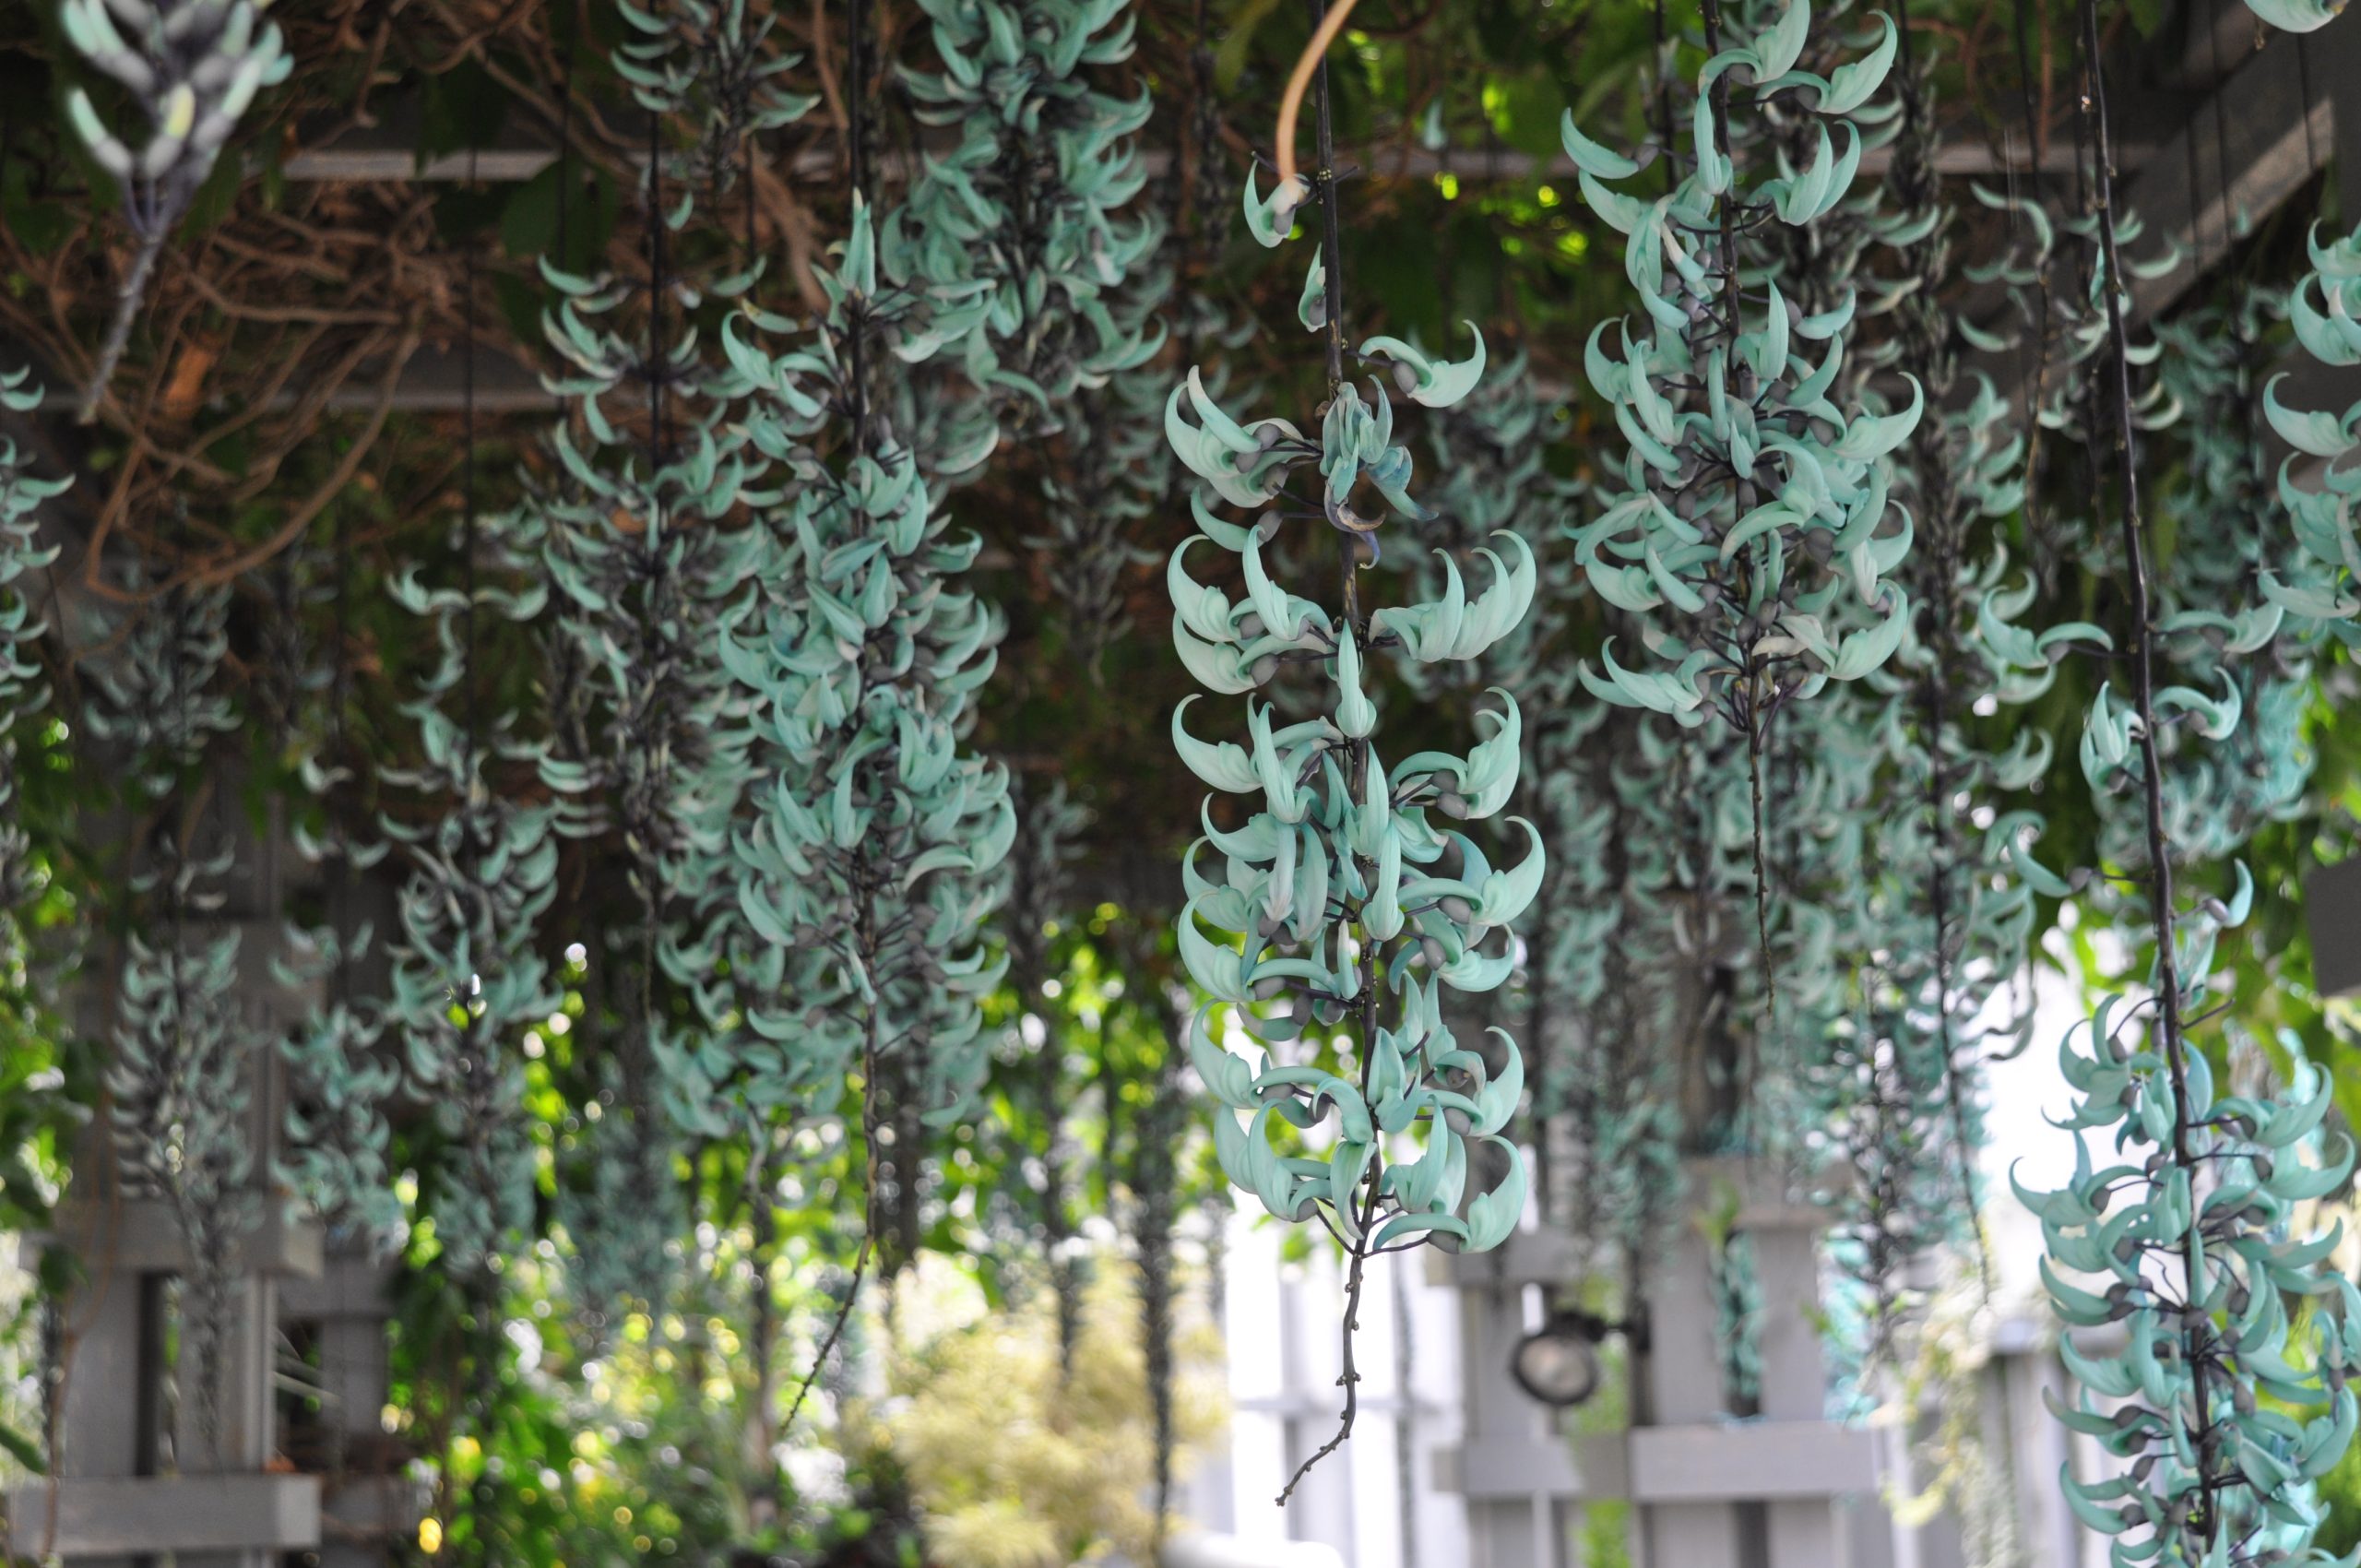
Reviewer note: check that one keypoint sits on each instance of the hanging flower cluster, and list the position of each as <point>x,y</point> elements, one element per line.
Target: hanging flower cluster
<point>2231,549</point>
<point>468,975</point>
<point>2322,507</point>
<point>1825,779</point>
<point>1818,777</point>
<point>1743,537</point>
<point>182,1079</point>
<point>1341,887</point>
<point>334,1155</point>
<point>1822,265</point>
<point>23,693</point>
<point>653,466</point>
<point>1039,203</point>
<point>1608,935</point>
<point>708,67</point>
<point>1943,929</point>
<point>1734,1278</point>
<point>191,68</point>
<point>1585,1073</point>
<point>1039,864</point>
<point>1349,903</point>
<point>1752,522</point>
<point>871,862</point>
<point>2193,1257</point>
<point>1154,1175</point>
<point>1030,204</point>
<point>1119,469</point>
<point>2187,1242</point>
<point>182,1091</point>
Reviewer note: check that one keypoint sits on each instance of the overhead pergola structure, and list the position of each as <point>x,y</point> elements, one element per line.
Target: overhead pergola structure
<point>2241,120</point>
<point>2247,118</point>
<point>2240,127</point>
<point>435,381</point>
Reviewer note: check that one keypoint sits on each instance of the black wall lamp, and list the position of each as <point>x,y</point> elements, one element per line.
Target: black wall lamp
<point>1557,1364</point>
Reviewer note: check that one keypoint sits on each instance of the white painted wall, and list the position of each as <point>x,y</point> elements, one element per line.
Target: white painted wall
<point>1374,1500</point>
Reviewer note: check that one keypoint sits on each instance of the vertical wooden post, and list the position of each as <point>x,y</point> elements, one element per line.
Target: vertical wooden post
<point>366,1502</point>
<point>1786,1490</point>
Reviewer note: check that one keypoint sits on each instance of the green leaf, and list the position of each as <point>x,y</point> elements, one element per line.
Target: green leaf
<point>215,198</point>
<point>1399,264</point>
<point>40,226</point>
<point>1532,105</point>
<point>460,108</point>
<point>1503,27</point>
<point>528,218</point>
<point>1230,60</point>
<point>23,1449</point>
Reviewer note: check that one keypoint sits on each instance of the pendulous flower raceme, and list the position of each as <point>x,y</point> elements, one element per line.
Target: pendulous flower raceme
<point>181,1078</point>
<point>2193,1256</point>
<point>1112,468</point>
<point>2189,1242</point>
<point>871,858</point>
<point>190,67</point>
<point>1030,204</point>
<point>647,556</point>
<point>335,1152</point>
<point>22,692</point>
<point>1352,905</point>
<point>706,65</point>
<point>2224,633</point>
<point>1648,833</point>
<point>1939,928</point>
<point>1750,528</point>
<point>469,977</point>
<point>2320,483</point>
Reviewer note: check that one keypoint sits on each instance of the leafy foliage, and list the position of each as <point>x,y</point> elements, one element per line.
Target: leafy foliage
<point>1064,1486</point>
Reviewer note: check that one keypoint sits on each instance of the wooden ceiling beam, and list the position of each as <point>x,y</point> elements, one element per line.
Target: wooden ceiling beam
<point>387,154</point>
